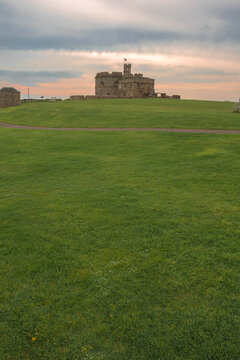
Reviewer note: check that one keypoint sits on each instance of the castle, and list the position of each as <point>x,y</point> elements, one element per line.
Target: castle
<point>123,85</point>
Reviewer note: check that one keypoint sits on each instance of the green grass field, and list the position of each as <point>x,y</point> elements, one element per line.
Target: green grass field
<point>118,245</point>
<point>126,113</point>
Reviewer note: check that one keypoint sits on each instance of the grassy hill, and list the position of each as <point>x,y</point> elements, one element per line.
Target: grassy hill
<point>125,113</point>
<point>118,245</point>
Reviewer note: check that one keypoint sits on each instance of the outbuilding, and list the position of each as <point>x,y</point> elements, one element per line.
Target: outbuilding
<point>9,96</point>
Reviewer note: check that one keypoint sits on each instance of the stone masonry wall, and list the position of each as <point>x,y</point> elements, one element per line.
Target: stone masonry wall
<point>107,84</point>
<point>137,87</point>
<point>9,99</point>
<point>77,97</point>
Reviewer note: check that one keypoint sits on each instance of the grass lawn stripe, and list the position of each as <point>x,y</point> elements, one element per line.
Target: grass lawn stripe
<point>119,245</point>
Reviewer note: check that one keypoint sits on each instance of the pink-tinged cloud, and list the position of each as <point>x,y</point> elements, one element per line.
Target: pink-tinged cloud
<point>60,88</point>
<point>66,87</point>
<point>200,76</point>
<point>203,91</point>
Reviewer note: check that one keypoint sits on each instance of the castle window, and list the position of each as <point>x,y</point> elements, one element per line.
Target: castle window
<point>102,83</point>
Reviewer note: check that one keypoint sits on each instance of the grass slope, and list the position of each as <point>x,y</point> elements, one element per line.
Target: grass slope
<point>125,113</point>
<point>119,246</point>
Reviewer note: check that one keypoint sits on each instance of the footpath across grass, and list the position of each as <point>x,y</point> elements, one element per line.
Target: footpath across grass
<point>125,113</point>
<point>119,246</point>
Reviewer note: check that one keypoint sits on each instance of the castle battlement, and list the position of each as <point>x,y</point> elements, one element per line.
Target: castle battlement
<point>108,74</point>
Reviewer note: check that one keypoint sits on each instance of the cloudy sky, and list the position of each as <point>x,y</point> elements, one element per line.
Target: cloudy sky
<point>191,47</point>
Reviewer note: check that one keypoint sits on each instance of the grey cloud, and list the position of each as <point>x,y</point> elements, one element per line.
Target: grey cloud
<point>31,78</point>
<point>187,70</point>
<point>230,31</point>
<point>211,72</point>
<point>214,26</point>
<point>90,40</point>
<point>228,13</point>
<point>186,74</point>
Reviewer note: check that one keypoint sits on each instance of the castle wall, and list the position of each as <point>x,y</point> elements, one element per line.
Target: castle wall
<point>107,84</point>
<point>137,87</point>
<point>77,97</point>
<point>9,99</point>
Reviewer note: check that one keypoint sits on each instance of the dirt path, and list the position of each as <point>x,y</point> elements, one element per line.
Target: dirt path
<point>192,131</point>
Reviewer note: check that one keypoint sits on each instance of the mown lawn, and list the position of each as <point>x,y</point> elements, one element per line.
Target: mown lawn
<point>126,113</point>
<point>119,245</point>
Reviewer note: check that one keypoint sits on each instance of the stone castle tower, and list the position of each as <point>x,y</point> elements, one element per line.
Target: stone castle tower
<point>127,70</point>
<point>126,84</point>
